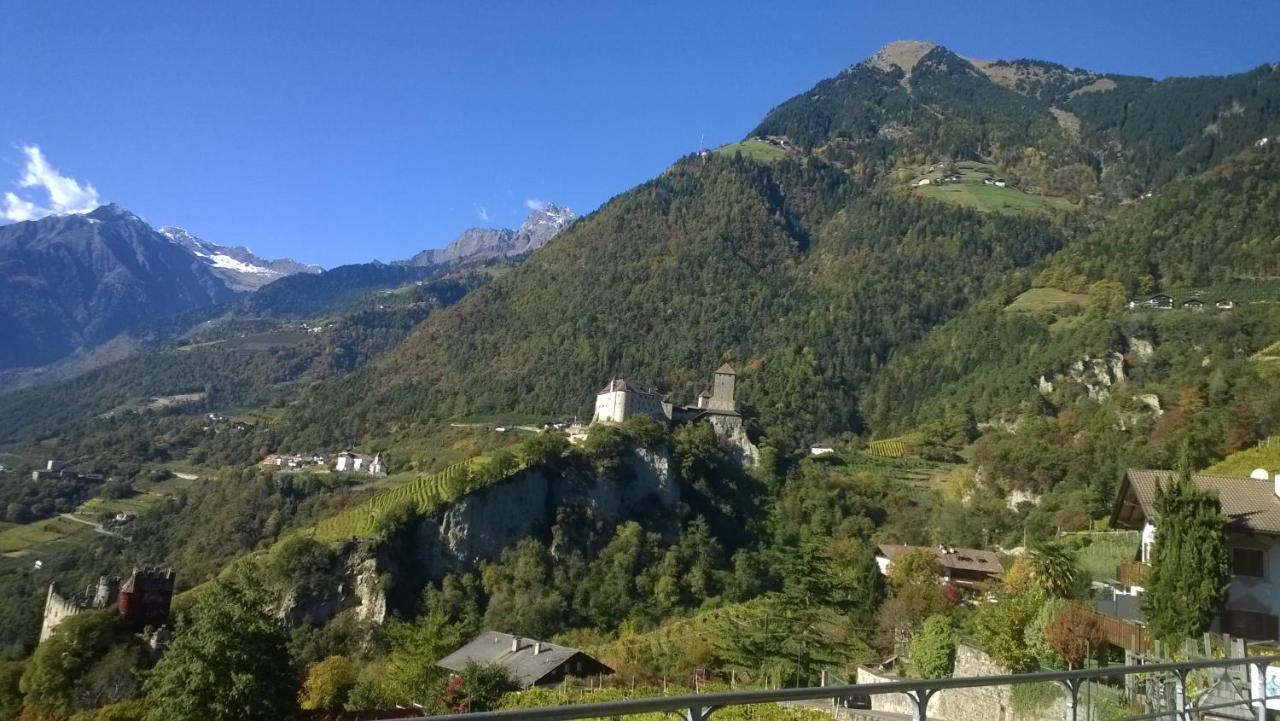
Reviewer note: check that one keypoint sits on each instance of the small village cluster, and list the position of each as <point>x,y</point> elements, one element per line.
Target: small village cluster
<point>1163,301</point>
<point>55,469</point>
<point>957,178</point>
<point>344,462</point>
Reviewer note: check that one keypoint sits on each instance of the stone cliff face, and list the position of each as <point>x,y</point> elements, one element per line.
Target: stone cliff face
<point>480,525</point>
<point>733,435</point>
<point>358,585</point>
<point>1097,375</point>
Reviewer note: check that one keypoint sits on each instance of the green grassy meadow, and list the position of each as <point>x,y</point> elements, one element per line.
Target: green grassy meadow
<point>1052,300</point>
<point>754,149</point>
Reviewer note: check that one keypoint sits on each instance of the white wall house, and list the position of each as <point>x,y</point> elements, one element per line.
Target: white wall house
<point>620,400</point>
<point>1252,508</point>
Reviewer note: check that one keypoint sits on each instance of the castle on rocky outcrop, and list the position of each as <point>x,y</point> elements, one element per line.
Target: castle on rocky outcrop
<point>620,400</point>
<point>142,600</point>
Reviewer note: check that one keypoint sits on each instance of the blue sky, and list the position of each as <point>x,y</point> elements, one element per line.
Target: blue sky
<point>339,132</point>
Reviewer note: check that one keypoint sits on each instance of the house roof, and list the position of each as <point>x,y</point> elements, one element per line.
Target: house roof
<point>1249,504</point>
<point>621,384</point>
<point>727,369</point>
<point>962,559</point>
<point>526,667</point>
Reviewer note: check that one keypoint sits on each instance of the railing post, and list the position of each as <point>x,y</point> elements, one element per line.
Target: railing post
<point>920,703</point>
<point>699,713</point>
<point>1181,712</point>
<point>1259,689</point>
<point>1072,688</point>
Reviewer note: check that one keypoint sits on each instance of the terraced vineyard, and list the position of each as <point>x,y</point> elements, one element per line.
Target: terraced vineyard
<point>894,447</point>
<point>425,494</point>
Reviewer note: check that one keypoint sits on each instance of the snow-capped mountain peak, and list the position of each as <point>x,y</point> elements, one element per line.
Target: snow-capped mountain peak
<point>238,267</point>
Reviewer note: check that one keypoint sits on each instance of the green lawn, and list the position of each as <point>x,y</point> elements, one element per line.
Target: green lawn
<point>989,198</point>
<point>27,536</point>
<point>1046,299</point>
<point>94,507</point>
<point>1242,463</point>
<point>1105,551</point>
<point>755,149</point>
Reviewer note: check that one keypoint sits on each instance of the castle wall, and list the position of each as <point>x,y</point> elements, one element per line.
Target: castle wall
<point>56,610</point>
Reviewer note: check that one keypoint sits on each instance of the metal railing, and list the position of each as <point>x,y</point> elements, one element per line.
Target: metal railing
<point>700,707</point>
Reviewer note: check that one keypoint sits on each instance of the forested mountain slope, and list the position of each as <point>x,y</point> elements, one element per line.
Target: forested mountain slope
<point>790,270</point>
<point>1059,129</point>
<point>1217,230</point>
<point>1220,226</point>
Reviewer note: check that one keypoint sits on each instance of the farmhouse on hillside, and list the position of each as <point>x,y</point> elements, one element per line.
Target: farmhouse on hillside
<point>960,566</point>
<point>1252,509</point>
<point>57,469</point>
<point>530,662</point>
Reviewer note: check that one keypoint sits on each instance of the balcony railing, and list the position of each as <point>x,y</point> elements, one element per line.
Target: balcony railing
<point>700,707</point>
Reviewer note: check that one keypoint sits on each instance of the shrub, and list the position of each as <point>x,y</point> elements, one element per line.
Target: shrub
<point>933,649</point>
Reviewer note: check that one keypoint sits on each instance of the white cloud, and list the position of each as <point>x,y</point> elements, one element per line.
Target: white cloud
<point>535,204</point>
<point>66,195</point>
<point>18,210</point>
<point>482,213</point>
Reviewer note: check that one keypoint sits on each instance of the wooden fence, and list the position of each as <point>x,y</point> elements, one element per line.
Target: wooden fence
<point>1125,634</point>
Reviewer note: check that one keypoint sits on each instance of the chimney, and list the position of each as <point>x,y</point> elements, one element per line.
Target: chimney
<point>515,644</point>
<point>1276,488</point>
<point>537,647</point>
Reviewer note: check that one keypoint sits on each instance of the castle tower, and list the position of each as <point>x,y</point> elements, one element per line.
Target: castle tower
<point>145,596</point>
<point>722,389</point>
<point>105,594</point>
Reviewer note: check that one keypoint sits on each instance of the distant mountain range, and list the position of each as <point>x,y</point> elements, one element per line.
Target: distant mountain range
<point>237,266</point>
<point>476,244</point>
<point>73,282</point>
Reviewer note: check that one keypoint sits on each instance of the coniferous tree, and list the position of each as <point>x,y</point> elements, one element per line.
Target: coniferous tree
<point>228,661</point>
<point>1189,566</point>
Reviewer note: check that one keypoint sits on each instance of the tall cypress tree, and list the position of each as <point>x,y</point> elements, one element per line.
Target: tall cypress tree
<point>1189,565</point>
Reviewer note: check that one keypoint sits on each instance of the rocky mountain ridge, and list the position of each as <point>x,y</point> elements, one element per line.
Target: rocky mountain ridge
<point>238,266</point>
<point>75,281</point>
<point>477,244</point>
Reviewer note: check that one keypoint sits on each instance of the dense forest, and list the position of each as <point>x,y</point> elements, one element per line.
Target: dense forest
<point>801,278</point>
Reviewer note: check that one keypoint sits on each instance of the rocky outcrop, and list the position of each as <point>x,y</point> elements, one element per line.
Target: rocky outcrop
<point>476,244</point>
<point>1097,375</point>
<point>480,525</point>
<point>1141,348</point>
<point>353,584</point>
<point>733,435</point>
